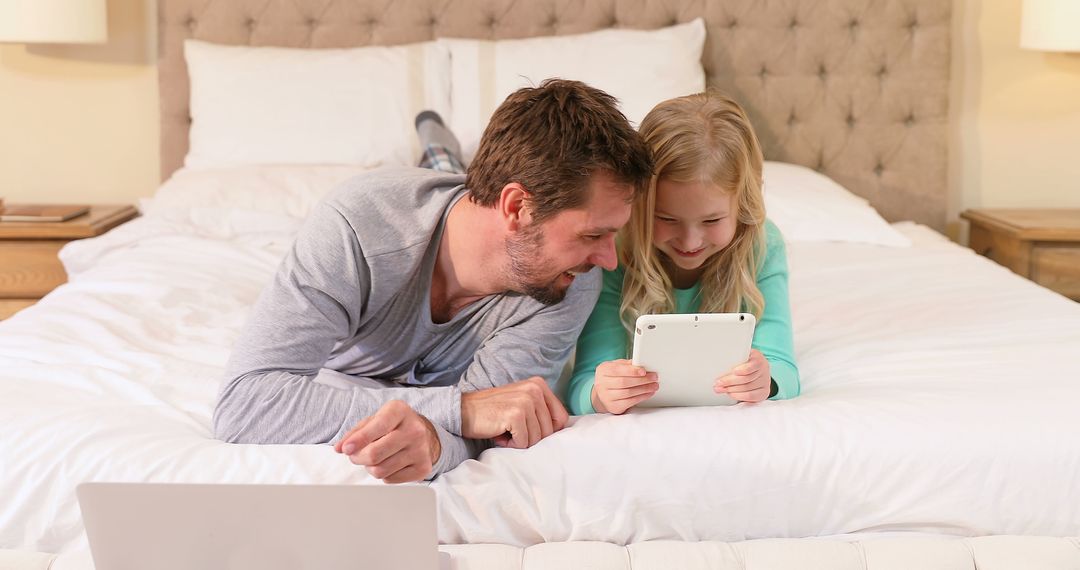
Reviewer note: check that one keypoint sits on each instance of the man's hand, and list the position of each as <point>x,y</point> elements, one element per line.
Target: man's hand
<point>396,444</point>
<point>516,415</point>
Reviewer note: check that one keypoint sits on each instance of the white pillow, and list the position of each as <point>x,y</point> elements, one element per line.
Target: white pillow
<point>268,105</point>
<point>809,206</point>
<point>639,67</point>
<point>243,199</point>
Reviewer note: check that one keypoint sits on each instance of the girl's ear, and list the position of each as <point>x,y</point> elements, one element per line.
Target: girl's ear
<point>514,206</point>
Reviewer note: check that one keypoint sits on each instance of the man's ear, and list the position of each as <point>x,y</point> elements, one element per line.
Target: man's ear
<point>514,206</point>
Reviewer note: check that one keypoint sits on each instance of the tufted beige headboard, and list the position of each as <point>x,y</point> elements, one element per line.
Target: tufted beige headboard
<point>854,88</point>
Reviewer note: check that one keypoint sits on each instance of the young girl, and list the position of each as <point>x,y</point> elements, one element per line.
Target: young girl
<point>697,242</point>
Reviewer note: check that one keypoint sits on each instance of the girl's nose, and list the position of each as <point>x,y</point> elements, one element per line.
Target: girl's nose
<point>690,241</point>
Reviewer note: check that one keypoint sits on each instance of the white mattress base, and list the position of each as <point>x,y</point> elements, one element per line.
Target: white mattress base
<point>984,553</point>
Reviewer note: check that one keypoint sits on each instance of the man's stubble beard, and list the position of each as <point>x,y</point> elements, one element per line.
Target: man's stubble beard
<point>526,267</point>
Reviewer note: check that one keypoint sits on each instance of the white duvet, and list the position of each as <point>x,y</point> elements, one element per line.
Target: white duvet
<point>939,395</point>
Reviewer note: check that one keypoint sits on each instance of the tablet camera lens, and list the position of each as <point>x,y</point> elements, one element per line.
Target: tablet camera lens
<point>651,327</point>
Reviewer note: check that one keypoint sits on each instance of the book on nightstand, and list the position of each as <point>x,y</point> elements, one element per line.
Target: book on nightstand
<point>41,212</point>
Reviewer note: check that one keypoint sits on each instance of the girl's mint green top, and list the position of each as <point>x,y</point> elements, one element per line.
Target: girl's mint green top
<point>604,338</point>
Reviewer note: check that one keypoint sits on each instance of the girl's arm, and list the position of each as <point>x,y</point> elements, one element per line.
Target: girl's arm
<point>602,339</point>
<point>773,336</point>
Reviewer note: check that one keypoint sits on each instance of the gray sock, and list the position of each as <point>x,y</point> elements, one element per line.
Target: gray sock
<point>432,132</point>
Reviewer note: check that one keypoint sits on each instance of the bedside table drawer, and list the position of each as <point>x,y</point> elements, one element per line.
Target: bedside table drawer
<point>1005,250</point>
<point>30,269</point>
<point>1057,268</point>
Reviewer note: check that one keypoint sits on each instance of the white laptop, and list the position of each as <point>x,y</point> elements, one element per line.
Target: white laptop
<point>150,526</point>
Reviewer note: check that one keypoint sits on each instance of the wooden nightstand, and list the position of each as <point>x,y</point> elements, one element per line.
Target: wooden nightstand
<point>29,267</point>
<point>1042,245</point>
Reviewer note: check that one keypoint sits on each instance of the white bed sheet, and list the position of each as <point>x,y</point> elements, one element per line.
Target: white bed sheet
<point>939,396</point>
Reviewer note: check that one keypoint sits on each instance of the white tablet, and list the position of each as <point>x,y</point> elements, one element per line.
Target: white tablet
<point>689,352</point>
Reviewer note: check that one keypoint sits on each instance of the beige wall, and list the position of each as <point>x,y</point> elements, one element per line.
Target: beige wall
<point>1016,114</point>
<point>80,123</point>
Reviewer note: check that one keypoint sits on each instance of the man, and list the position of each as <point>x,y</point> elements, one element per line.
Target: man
<point>415,318</point>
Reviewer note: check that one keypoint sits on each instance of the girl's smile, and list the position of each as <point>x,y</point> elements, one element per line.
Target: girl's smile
<point>693,253</point>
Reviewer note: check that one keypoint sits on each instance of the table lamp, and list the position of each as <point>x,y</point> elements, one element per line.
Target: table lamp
<point>52,21</point>
<point>1050,25</point>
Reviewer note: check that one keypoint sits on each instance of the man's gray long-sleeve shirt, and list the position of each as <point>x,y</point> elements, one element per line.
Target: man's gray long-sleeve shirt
<point>346,327</point>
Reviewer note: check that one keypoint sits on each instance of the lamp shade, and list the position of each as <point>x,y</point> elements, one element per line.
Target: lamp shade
<point>1050,25</point>
<point>52,21</point>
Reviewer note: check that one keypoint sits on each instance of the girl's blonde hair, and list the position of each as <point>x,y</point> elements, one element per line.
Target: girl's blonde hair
<point>705,138</point>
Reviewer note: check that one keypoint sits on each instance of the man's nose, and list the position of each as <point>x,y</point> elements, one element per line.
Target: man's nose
<point>606,256</point>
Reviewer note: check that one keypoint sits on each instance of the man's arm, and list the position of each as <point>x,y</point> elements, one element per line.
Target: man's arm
<point>538,345</point>
<point>506,394</point>
<point>504,381</point>
<point>316,300</point>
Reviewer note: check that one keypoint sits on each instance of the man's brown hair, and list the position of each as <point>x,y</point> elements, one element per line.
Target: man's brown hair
<point>550,139</point>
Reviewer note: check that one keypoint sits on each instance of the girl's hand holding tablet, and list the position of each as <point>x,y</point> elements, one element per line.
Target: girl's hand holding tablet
<point>619,386</point>
<point>747,382</point>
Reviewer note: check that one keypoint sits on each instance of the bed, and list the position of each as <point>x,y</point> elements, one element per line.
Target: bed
<point>937,424</point>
